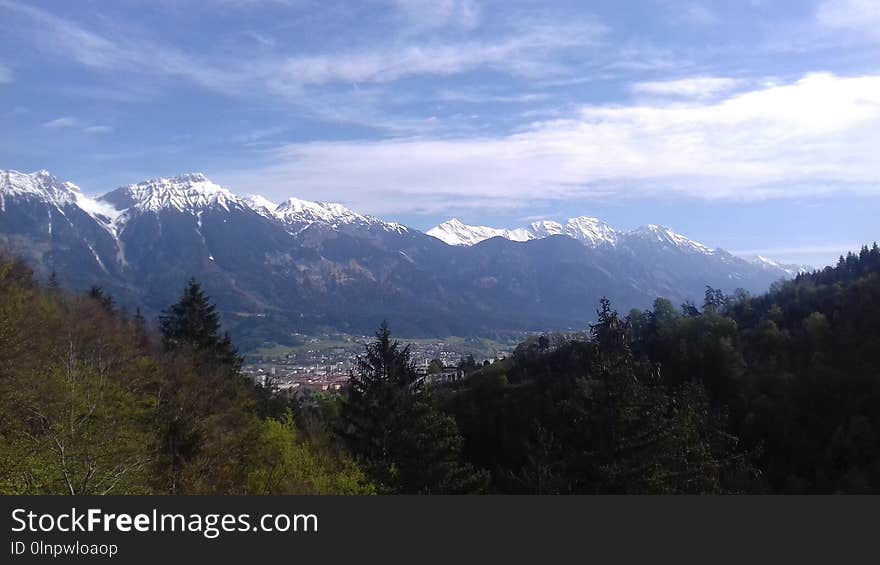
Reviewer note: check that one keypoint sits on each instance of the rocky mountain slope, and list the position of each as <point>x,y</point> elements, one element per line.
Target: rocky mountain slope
<point>302,266</point>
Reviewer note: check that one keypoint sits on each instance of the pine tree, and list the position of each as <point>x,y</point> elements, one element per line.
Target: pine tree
<point>630,435</point>
<point>389,422</point>
<point>141,333</point>
<point>376,392</point>
<point>53,284</point>
<point>105,300</point>
<point>193,322</point>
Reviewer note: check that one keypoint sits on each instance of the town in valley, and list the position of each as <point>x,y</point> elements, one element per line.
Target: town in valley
<point>325,363</point>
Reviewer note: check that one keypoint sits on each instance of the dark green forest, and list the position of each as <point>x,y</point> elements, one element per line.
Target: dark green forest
<point>776,393</point>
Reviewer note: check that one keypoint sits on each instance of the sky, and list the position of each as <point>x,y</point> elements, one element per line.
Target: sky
<point>752,126</point>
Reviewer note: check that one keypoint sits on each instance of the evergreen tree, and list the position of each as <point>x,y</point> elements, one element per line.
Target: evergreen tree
<point>105,300</point>
<point>142,333</point>
<point>389,422</point>
<point>53,284</point>
<point>193,322</point>
<point>377,391</point>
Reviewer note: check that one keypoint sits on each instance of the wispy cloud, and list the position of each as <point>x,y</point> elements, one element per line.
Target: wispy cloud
<point>98,129</point>
<point>859,16</point>
<point>64,122</point>
<point>816,135</point>
<point>692,87</point>
<point>422,15</point>
<point>523,51</point>
<point>645,57</point>
<point>347,84</point>
<point>694,13</point>
<point>6,76</point>
<point>525,54</point>
<point>832,26</point>
<point>471,96</point>
<point>121,53</point>
<point>71,122</point>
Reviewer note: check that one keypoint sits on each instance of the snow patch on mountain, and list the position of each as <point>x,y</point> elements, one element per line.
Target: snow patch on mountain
<point>665,236</point>
<point>591,231</point>
<point>44,187</point>
<point>455,232</point>
<point>185,193</point>
<point>40,185</point>
<point>769,264</point>
<point>299,214</point>
<point>261,204</point>
<point>595,233</point>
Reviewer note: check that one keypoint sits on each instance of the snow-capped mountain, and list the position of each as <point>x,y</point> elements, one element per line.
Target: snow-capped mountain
<point>454,232</point>
<point>40,185</point>
<point>663,236</point>
<point>187,193</point>
<point>300,265</point>
<point>58,224</point>
<point>194,193</point>
<point>300,214</point>
<point>261,204</point>
<point>769,264</point>
<point>591,231</point>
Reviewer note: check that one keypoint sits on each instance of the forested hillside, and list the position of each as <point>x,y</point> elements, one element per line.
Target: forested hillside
<point>777,393</point>
<point>92,403</point>
<point>774,393</point>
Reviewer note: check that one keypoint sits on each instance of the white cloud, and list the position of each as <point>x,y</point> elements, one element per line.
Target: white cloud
<point>98,129</point>
<point>695,13</point>
<point>476,96</point>
<point>120,53</point>
<point>63,123</point>
<point>693,87</point>
<point>861,16</point>
<point>524,54</point>
<point>71,122</point>
<point>6,76</point>
<point>816,135</point>
<point>524,51</point>
<point>424,15</point>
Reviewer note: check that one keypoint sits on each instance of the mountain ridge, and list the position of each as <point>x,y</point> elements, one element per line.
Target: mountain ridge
<point>304,265</point>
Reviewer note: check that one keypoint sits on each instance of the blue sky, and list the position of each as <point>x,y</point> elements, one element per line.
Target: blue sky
<point>751,125</point>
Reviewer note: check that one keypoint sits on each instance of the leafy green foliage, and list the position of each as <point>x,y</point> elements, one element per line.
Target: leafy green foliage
<point>772,393</point>
<point>88,404</point>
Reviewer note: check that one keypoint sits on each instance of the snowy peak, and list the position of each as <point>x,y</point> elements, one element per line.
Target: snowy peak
<point>666,237</point>
<point>44,187</point>
<point>185,193</point>
<point>771,265</point>
<point>294,210</point>
<point>60,200</point>
<point>545,228</point>
<point>455,232</point>
<point>590,231</point>
<point>299,214</point>
<point>40,185</point>
<point>261,204</point>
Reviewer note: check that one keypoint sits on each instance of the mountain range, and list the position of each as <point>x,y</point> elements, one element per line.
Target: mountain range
<point>301,266</point>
